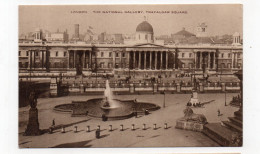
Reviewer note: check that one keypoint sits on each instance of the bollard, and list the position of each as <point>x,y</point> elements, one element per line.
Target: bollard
<point>165,126</point>
<point>88,128</point>
<point>98,133</point>
<point>154,126</point>
<point>121,127</point>
<point>133,126</point>
<point>50,130</point>
<point>144,127</point>
<point>110,128</point>
<point>62,129</point>
<point>75,129</point>
<point>98,127</point>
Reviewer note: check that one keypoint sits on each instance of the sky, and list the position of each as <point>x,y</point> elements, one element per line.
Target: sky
<point>220,19</point>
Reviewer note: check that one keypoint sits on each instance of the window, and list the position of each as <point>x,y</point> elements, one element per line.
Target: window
<point>182,55</point>
<point>139,37</point>
<point>238,55</point>
<point>101,65</point>
<point>65,54</point>
<point>123,54</point>
<point>36,53</point>
<point>109,65</point>
<point>57,53</point>
<point>110,54</point>
<point>222,55</point>
<point>229,55</point>
<point>102,54</point>
<point>27,53</point>
<point>190,54</point>
<point>117,54</point>
<point>203,29</point>
<point>146,37</point>
<point>19,53</point>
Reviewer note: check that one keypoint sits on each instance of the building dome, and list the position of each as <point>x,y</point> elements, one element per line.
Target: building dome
<point>144,27</point>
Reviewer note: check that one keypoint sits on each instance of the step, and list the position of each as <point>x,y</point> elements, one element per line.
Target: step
<point>236,121</point>
<point>238,114</point>
<point>218,133</point>
<point>233,126</point>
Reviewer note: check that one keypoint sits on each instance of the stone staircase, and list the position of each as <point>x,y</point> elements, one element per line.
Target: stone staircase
<point>227,133</point>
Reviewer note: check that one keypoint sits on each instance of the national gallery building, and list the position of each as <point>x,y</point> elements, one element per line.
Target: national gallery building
<point>143,54</point>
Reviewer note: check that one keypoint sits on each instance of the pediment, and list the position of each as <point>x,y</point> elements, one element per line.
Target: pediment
<point>149,45</point>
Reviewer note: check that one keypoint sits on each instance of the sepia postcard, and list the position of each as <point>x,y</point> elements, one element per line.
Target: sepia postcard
<point>108,76</point>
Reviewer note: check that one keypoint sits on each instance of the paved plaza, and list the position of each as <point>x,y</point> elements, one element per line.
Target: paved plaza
<point>171,137</point>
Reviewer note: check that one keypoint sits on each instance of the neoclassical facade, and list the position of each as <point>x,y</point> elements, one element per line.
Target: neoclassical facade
<point>144,55</point>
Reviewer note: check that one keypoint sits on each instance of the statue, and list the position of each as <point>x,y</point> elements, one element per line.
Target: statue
<point>33,100</point>
<point>33,122</point>
<point>190,116</point>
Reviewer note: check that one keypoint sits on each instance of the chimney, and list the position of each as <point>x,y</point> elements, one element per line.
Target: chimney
<point>76,30</point>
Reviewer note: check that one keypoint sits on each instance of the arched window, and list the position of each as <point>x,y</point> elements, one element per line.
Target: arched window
<point>146,37</point>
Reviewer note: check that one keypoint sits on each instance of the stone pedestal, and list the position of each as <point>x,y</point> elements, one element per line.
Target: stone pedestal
<point>53,88</point>
<point>81,88</point>
<point>223,87</point>
<point>132,88</point>
<point>178,87</point>
<point>201,88</point>
<point>33,123</point>
<point>189,125</point>
<point>155,88</point>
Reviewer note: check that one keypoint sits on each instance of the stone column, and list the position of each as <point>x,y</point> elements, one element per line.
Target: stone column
<point>155,60</point>
<point>139,61</point>
<point>208,59</point>
<point>89,59</point>
<point>200,60</point>
<point>114,59</point>
<point>84,59</point>
<point>235,65</point>
<point>195,60</point>
<point>74,59</point>
<point>145,60</point>
<point>33,59</point>
<point>166,65</point>
<point>129,59</point>
<point>42,58</point>
<point>232,60</point>
<point>214,60</point>
<point>151,55</point>
<point>120,59</point>
<point>161,60</point>
<point>29,59</point>
<point>134,61</point>
<point>174,59</point>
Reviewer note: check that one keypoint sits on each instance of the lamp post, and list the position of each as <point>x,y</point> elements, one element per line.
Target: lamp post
<point>164,99</point>
<point>225,98</point>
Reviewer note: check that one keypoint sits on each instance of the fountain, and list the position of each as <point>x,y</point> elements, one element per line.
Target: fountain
<point>108,106</point>
<point>109,102</point>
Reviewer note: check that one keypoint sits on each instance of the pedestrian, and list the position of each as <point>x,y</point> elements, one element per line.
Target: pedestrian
<point>218,112</point>
<point>53,123</point>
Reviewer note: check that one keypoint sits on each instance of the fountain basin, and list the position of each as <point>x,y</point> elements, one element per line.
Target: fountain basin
<point>94,108</point>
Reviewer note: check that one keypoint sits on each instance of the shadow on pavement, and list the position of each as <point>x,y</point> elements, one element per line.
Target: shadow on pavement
<point>81,144</point>
<point>66,125</point>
